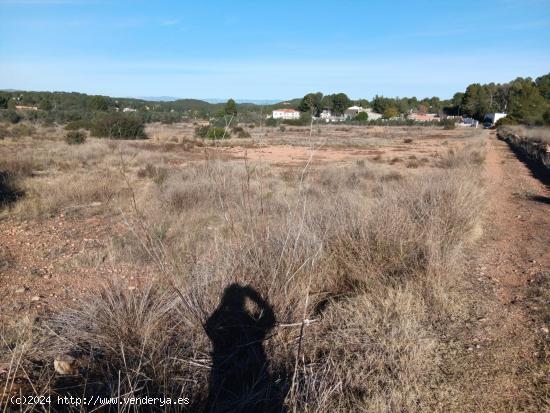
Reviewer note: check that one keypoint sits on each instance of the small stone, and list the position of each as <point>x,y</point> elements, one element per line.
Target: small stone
<point>35,298</point>
<point>132,287</point>
<point>478,346</point>
<point>470,348</point>
<point>545,330</point>
<point>64,364</point>
<point>20,290</point>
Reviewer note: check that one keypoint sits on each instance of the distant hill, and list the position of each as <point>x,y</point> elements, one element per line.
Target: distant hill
<point>79,101</point>
<point>157,98</point>
<point>258,102</point>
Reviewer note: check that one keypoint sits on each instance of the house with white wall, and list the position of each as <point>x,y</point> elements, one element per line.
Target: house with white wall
<point>353,111</point>
<point>285,114</point>
<point>493,118</point>
<point>325,114</point>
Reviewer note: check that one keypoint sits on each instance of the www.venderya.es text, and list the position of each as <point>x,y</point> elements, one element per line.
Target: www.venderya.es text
<point>100,401</point>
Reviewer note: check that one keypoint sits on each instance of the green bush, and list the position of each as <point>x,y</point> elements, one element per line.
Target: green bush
<point>448,124</point>
<point>508,120</point>
<point>13,116</point>
<point>271,122</point>
<point>361,117</point>
<point>75,137</point>
<point>212,132</point>
<point>118,126</point>
<point>240,132</point>
<point>217,133</point>
<point>79,124</point>
<point>202,131</point>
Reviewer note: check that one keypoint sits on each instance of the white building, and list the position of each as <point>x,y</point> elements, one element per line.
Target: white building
<point>325,114</point>
<point>129,110</point>
<point>286,114</point>
<point>493,117</point>
<point>353,111</point>
<point>373,115</point>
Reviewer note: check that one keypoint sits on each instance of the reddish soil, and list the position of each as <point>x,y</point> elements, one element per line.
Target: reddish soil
<point>496,348</point>
<point>299,155</point>
<point>46,263</point>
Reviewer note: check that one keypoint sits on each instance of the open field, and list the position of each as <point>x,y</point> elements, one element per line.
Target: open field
<point>364,258</point>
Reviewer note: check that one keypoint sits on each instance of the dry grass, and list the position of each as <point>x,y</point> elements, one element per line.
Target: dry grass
<point>358,262</point>
<point>537,134</point>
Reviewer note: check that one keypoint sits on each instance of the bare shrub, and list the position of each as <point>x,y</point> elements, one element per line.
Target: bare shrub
<point>473,155</point>
<point>156,173</point>
<point>50,196</point>
<point>21,130</point>
<point>20,164</point>
<point>75,137</point>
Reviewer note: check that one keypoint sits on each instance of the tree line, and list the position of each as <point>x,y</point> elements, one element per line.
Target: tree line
<point>525,100</point>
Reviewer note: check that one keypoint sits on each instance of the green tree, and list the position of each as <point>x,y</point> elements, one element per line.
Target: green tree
<point>543,83</point>
<point>99,103</point>
<point>230,108</point>
<point>327,103</point>
<point>476,101</point>
<point>312,103</point>
<point>380,104</point>
<point>527,105</point>
<point>45,104</point>
<point>422,109</point>
<point>4,101</point>
<point>364,103</point>
<point>340,102</point>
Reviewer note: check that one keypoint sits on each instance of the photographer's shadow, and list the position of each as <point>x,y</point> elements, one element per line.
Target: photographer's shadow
<point>240,380</point>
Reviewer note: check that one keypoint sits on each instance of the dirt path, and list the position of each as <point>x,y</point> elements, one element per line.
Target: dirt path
<point>496,360</point>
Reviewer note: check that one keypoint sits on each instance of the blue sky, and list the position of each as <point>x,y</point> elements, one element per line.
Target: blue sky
<point>270,49</point>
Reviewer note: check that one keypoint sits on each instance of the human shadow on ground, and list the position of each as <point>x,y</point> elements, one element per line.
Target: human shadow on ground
<point>9,192</point>
<point>240,380</point>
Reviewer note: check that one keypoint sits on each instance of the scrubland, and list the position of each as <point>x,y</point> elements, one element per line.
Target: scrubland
<point>361,261</point>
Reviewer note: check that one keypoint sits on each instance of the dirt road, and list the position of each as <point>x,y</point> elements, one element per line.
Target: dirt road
<point>497,362</point>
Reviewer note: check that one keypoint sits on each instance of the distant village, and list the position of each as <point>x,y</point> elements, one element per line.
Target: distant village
<point>352,112</point>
